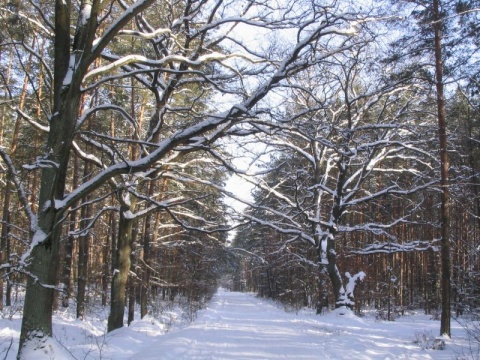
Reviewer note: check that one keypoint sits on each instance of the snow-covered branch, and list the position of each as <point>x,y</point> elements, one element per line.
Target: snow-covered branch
<point>393,247</point>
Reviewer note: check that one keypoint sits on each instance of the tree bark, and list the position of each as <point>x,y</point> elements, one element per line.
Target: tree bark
<point>4,242</point>
<point>106,261</point>
<point>4,232</point>
<point>147,239</point>
<point>121,270</point>
<point>132,289</point>
<point>145,285</point>
<point>332,271</point>
<point>37,314</point>
<point>444,181</point>
<point>83,256</point>
<point>69,245</point>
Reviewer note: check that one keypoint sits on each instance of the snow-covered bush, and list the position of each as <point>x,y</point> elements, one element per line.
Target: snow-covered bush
<point>426,340</point>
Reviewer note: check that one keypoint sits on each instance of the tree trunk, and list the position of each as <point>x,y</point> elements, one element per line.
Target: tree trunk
<point>69,245</point>
<point>120,273</point>
<point>444,167</point>
<point>37,313</point>
<point>330,266</point>
<point>83,256</point>
<point>111,248</point>
<point>4,242</point>
<point>432,282</point>
<point>36,140</point>
<point>145,285</point>
<point>5,238</point>
<point>38,305</point>
<point>132,278</point>
<point>132,287</point>
<point>105,260</point>
<point>472,162</point>
<point>322,301</point>
<point>150,233</point>
<point>7,96</point>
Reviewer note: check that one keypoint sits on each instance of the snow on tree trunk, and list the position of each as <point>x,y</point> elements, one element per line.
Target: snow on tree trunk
<point>328,259</point>
<point>351,284</point>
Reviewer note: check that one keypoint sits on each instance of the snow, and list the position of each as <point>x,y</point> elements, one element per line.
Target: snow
<point>352,281</point>
<point>85,14</point>
<point>71,69</point>
<point>147,36</point>
<point>136,58</point>
<point>241,326</point>
<point>38,237</point>
<point>46,348</point>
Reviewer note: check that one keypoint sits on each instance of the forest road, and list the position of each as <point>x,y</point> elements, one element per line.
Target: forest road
<point>241,326</point>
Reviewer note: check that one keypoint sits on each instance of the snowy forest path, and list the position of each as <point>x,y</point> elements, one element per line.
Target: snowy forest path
<point>242,326</point>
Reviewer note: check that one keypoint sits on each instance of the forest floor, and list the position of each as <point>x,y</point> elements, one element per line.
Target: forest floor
<point>242,326</point>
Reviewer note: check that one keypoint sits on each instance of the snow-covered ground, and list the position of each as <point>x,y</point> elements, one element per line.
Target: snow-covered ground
<point>242,326</point>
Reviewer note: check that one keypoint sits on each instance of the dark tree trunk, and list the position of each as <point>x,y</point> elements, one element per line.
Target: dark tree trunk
<point>444,167</point>
<point>432,282</point>
<point>113,248</point>
<point>67,271</point>
<point>37,314</point>
<point>145,286</point>
<point>120,272</point>
<point>332,271</point>
<point>38,305</point>
<point>69,245</point>
<point>132,279</point>
<point>132,287</point>
<point>147,239</point>
<point>4,241</point>
<point>83,256</point>
<point>106,259</point>
<point>322,301</point>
